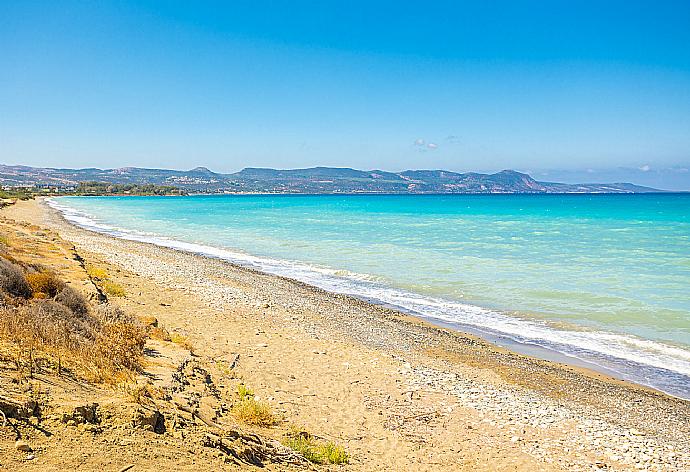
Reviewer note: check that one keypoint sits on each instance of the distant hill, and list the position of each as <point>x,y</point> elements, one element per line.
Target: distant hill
<point>312,180</point>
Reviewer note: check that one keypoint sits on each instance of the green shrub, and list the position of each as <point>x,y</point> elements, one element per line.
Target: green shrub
<point>316,451</point>
<point>243,391</point>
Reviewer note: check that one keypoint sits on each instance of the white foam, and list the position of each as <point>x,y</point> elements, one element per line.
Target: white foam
<point>587,345</point>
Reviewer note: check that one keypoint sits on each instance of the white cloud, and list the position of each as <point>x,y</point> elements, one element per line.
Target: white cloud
<point>645,168</point>
<point>419,142</point>
<point>432,145</point>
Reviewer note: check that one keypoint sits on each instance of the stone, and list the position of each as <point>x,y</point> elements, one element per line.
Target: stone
<point>150,321</point>
<point>82,415</point>
<point>149,419</point>
<point>22,446</point>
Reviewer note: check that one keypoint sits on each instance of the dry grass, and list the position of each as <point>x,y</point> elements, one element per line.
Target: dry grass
<point>101,278</point>
<point>44,284</point>
<point>50,325</point>
<point>251,411</point>
<point>96,273</point>
<point>182,340</point>
<point>113,288</point>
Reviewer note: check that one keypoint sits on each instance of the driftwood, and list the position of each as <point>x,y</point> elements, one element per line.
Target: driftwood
<point>245,448</point>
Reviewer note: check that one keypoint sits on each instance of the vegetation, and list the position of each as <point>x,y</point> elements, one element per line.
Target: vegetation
<point>101,278</point>
<point>182,340</point>
<point>107,188</point>
<point>20,193</point>
<point>113,288</point>
<point>318,452</point>
<point>244,392</point>
<point>46,324</point>
<point>251,411</point>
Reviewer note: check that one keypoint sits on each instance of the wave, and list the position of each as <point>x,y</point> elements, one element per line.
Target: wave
<point>647,362</point>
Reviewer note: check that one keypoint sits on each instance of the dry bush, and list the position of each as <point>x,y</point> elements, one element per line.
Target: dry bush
<point>254,412</point>
<point>108,348</point>
<point>49,323</point>
<point>96,273</point>
<point>73,300</point>
<point>109,313</point>
<point>119,346</point>
<point>53,323</point>
<point>44,282</point>
<point>113,288</point>
<point>12,280</point>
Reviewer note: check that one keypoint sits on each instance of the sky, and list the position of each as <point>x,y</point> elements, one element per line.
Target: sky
<point>560,88</point>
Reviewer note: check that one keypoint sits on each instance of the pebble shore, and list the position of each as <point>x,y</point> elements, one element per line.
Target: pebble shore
<point>583,421</point>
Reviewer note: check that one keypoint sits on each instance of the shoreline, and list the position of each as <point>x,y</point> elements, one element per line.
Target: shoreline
<point>472,373</point>
<point>552,350</point>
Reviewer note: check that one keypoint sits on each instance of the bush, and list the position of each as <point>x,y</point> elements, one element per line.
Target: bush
<point>73,300</point>
<point>112,288</point>
<point>55,324</point>
<point>96,273</point>
<point>109,313</point>
<point>244,392</point>
<point>119,346</point>
<point>44,282</point>
<point>254,412</point>
<point>12,280</point>
<point>315,451</point>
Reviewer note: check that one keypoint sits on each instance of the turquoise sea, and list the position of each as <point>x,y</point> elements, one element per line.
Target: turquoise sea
<point>599,280</point>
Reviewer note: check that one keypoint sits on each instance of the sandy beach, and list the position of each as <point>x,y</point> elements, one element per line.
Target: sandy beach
<point>397,392</point>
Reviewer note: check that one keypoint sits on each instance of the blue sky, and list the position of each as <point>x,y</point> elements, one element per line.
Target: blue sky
<point>532,85</point>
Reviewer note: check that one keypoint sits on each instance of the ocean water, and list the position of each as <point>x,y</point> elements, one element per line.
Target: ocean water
<point>597,280</point>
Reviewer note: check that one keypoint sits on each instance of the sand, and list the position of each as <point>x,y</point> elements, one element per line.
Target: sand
<point>397,392</point>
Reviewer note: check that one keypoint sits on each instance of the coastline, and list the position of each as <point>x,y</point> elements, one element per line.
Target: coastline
<point>658,365</point>
<point>473,376</point>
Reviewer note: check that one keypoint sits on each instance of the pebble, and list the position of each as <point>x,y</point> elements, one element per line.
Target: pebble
<point>22,446</point>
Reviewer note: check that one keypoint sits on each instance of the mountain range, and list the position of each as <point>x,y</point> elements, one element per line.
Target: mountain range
<point>312,180</point>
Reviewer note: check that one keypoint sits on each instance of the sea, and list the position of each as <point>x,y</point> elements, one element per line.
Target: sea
<point>600,281</point>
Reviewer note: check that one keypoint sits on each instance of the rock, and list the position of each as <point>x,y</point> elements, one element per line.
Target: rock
<point>22,446</point>
<point>149,419</point>
<point>82,414</point>
<point>30,457</point>
<point>150,321</point>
